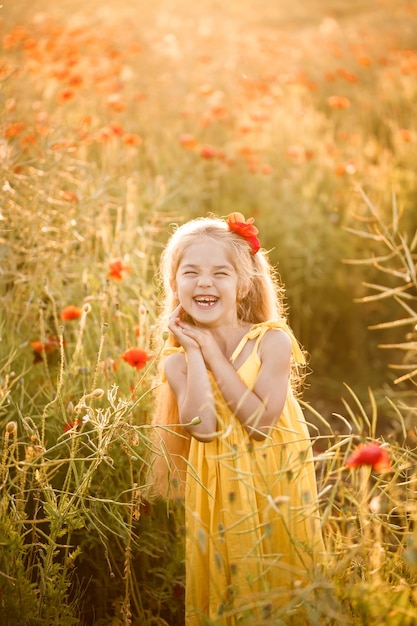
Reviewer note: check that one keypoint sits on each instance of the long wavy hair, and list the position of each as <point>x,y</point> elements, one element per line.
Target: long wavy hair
<point>260,297</point>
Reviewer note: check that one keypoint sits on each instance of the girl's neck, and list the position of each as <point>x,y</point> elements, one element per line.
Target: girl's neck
<point>228,337</point>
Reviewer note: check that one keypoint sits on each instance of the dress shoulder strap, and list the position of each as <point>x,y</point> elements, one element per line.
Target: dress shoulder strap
<point>172,350</point>
<point>257,331</point>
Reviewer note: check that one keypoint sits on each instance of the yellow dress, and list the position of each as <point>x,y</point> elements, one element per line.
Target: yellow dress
<point>252,526</point>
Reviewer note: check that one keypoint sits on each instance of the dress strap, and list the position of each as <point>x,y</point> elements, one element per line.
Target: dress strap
<point>172,350</point>
<point>257,331</point>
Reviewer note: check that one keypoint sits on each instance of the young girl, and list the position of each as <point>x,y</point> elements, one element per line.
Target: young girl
<point>230,428</point>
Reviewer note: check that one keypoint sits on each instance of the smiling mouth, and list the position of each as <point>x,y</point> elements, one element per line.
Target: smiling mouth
<point>205,301</point>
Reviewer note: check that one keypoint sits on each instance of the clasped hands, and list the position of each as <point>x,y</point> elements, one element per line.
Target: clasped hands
<point>191,337</point>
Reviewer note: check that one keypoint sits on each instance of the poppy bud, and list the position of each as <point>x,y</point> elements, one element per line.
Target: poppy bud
<point>11,428</point>
<point>97,393</point>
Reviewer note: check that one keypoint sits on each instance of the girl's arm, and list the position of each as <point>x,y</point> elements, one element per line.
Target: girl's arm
<point>259,409</point>
<point>188,378</point>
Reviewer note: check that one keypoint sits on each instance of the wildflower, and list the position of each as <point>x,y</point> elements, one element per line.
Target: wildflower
<point>370,454</point>
<point>245,128</point>
<point>117,268</point>
<point>117,102</point>
<point>110,365</point>
<point>104,134</point>
<point>350,77</point>
<point>29,139</point>
<point>49,345</point>
<point>75,80</point>
<point>244,228</point>
<point>338,102</point>
<point>295,152</point>
<point>73,425</point>
<point>364,60</point>
<point>406,135</point>
<point>117,129</point>
<point>188,141</point>
<point>345,168</point>
<point>65,95</point>
<point>266,169</point>
<point>14,128</point>
<point>206,89</point>
<point>71,312</point>
<point>69,196</point>
<point>132,139</point>
<point>208,152</point>
<point>177,591</point>
<point>61,145</point>
<point>136,357</point>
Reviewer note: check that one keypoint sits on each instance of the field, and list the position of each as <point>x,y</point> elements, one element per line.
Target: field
<point>120,119</point>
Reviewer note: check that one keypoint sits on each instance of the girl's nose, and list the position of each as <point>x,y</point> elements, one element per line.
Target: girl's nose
<point>204,281</point>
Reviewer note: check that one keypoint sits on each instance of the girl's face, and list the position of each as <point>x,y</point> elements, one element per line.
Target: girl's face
<point>206,283</point>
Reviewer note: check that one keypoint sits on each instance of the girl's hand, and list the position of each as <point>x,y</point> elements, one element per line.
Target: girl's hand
<point>177,326</point>
<point>192,337</point>
<point>205,340</point>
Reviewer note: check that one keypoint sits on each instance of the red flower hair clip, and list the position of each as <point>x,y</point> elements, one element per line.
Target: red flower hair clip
<point>245,228</point>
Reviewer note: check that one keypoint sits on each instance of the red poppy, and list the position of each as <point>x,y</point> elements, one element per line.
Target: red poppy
<point>71,312</point>
<point>28,140</point>
<point>117,102</point>
<point>188,141</point>
<point>406,134</point>
<point>266,169</point>
<point>49,345</point>
<point>364,60</point>
<point>136,357</point>
<point>14,128</point>
<point>75,80</point>
<point>208,152</point>
<point>117,268</point>
<point>69,196</point>
<point>65,95</point>
<point>244,228</point>
<point>132,139</point>
<point>178,591</point>
<point>117,129</point>
<point>71,425</point>
<point>338,102</point>
<point>370,454</point>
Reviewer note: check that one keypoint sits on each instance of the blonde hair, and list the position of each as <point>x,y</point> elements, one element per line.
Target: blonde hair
<point>260,297</point>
